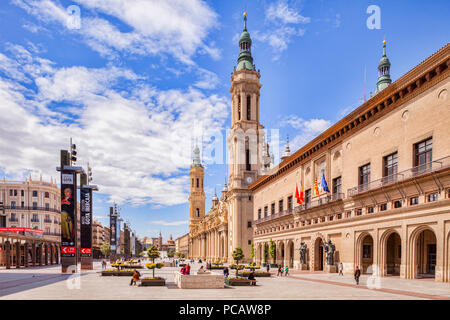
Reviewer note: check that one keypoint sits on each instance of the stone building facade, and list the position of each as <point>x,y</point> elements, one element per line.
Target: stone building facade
<point>387,168</point>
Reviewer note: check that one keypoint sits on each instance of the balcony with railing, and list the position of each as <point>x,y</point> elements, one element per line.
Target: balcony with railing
<point>324,200</point>
<point>403,176</point>
<point>32,208</point>
<point>13,219</point>
<point>34,219</point>
<point>48,220</point>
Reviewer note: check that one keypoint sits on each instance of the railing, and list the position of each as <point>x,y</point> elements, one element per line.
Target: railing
<point>13,219</point>
<point>315,203</point>
<point>32,208</point>
<point>401,176</point>
<point>34,220</point>
<point>47,220</point>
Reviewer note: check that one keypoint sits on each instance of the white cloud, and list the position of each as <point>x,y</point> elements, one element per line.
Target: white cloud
<point>283,19</point>
<point>177,27</point>
<point>169,223</point>
<point>138,141</point>
<point>307,130</point>
<point>207,79</point>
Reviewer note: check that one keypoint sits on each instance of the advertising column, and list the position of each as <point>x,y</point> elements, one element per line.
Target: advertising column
<point>86,228</point>
<point>68,220</point>
<point>112,233</point>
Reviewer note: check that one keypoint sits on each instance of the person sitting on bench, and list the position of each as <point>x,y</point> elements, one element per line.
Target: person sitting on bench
<point>251,276</point>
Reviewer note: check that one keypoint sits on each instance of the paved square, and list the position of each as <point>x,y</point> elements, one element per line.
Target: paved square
<point>49,283</point>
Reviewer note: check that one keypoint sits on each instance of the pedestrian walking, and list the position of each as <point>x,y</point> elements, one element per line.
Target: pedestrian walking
<point>279,271</point>
<point>268,267</point>
<point>286,271</point>
<point>176,263</point>
<point>226,272</point>
<point>357,274</point>
<point>341,269</point>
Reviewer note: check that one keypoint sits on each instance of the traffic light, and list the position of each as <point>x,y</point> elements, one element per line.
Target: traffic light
<point>73,153</point>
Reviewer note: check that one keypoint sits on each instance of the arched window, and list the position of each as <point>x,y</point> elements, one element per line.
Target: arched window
<point>198,183</point>
<point>197,212</point>
<point>248,107</point>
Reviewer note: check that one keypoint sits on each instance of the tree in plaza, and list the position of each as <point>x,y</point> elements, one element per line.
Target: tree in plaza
<point>182,255</point>
<point>238,255</point>
<point>272,250</point>
<point>105,249</point>
<point>171,253</point>
<point>153,254</point>
<point>252,255</point>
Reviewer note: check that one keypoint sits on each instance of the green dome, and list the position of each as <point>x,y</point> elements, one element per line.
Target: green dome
<point>245,37</point>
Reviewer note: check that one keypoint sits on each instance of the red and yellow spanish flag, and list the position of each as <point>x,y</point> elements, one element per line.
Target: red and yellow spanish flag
<point>302,199</point>
<point>297,196</point>
<point>316,188</point>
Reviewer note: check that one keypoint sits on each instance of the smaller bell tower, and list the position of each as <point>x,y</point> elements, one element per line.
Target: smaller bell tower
<point>197,193</point>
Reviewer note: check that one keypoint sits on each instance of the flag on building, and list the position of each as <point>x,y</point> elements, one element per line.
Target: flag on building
<point>324,183</point>
<point>316,188</point>
<point>302,199</point>
<point>297,196</point>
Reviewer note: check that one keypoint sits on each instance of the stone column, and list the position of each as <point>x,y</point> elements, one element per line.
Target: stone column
<point>8,254</point>
<point>286,254</point>
<point>33,253</point>
<point>25,253</point>
<point>39,255</point>
<point>46,254</point>
<point>17,245</point>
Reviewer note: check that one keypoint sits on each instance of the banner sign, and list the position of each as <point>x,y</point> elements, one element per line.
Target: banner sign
<point>112,230</point>
<point>68,213</point>
<point>118,237</point>
<point>86,222</point>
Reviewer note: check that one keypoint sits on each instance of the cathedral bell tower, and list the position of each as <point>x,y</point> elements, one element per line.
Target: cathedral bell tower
<point>245,147</point>
<point>246,135</point>
<point>197,193</point>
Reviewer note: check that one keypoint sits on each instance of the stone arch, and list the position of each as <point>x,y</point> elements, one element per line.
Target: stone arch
<point>318,260</point>
<point>290,253</point>
<point>391,252</point>
<point>422,257</point>
<point>364,252</point>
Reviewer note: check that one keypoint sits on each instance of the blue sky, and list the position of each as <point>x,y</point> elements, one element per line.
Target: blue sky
<point>135,83</point>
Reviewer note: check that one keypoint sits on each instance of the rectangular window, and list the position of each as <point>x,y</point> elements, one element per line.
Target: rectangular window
<point>330,218</point>
<point>22,204</point>
<point>249,242</point>
<point>390,168</point>
<point>34,205</point>
<point>13,204</point>
<point>272,208</point>
<point>35,193</point>
<point>47,206</point>
<point>249,224</point>
<point>413,201</point>
<point>369,209</point>
<point>432,197</point>
<point>348,214</point>
<point>289,203</point>
<point>337,185</point>
<point>35,218</point>
<point>280,206</point>
<point>47,195</point>
<point>259,213</point>
<point>397,204</point>
<point>383,207</point>
<point>339,216</point>
<point>266,211</point>
<point>308,197</point>
<point>249,108</point>
<point>367,251</point>
<point>15,193</point>
<point>423,155</point>
<point>22,193</point>
<point>364,177</point>
<point>11,192</point>
<point>358,212</point>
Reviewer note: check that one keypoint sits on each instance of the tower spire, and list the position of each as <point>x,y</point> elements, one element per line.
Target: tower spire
<point>287,151</point>
<point>384,67</point>
<point>245,59</point>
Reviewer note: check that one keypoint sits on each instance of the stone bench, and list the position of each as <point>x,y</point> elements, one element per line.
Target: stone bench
<point>199,281</point>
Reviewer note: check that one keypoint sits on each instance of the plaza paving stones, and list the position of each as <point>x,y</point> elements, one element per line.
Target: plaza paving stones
<point>49,283</point>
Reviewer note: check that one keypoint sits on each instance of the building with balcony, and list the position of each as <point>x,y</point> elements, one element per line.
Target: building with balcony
<point>387,170</point>
<point>30,224</point>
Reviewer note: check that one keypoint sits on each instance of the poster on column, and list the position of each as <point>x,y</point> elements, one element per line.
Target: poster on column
<point>68,218</point>
<point>112,228</point>
<point>86,222</point>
